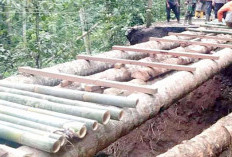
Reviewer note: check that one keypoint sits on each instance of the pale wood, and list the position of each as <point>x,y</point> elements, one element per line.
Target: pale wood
<point>166,52</point>
<point>200,36</point>
<point>132,62</point>
<point>209,31</point>
<point>74,78</point>
<point>191,42</point>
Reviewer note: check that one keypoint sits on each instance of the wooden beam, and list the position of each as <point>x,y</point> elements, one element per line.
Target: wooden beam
<point>200,36</point>
<point>208,31</point>
<point>81,79</point>
<point>166,52</point>
<point>132,62</point>
<point>191,42</point>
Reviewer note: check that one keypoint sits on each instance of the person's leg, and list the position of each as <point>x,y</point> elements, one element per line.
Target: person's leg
<point>168,10</point>
<point>208,10</point>
<point>216,8</point>
<point>176,12</point>
<point>187,14</point>
<point>193,7</point>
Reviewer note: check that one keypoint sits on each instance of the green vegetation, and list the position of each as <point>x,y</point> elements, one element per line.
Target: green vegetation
<point>41,33</point>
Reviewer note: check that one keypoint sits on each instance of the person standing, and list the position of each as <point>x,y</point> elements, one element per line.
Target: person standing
<point>217,5</point>
<point>208,11</point>
<point>172,5</point>
<point>191,5</point>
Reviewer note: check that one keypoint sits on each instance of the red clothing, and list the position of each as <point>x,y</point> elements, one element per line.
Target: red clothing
<point>227,7</point>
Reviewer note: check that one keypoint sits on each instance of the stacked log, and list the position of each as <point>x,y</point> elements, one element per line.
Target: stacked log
<point>170,89</point>
<point>210,142</point>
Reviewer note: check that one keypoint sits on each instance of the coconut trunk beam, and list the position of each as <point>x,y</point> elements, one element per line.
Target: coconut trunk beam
<point>77,128</point>
<point>170,89</point>
<point>75,95</point>
<point>26,138</point>
<point>116,113</point>
<point>91,124</point>
<point>59,137</point>
<point>102,116</point>
<point>210,142</point>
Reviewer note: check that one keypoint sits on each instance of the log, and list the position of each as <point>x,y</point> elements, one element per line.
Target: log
<point>170,89</point>
<point>215,26</point>
<point>210,142</point>
<point>77,128</point>
<point>26,138</point>
<point>209,31</point>
<point>11,152</point>
<point>102,116</point>
<point>75,95</point>
<point>140,63</point>
<point>59,137</point>
<point>114,111</point>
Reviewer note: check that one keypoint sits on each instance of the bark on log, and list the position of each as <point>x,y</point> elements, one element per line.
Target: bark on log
<point>84,68</point>
<point>11,152</point>
<point>169,90</point>
<point>210,142</point>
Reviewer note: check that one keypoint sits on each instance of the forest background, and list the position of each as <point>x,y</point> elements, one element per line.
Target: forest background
<point>42,33</point>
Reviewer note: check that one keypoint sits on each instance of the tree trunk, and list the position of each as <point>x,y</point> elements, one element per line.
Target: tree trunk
<point>84,30</point>
<point>24,23</point>
<point>38,54</point>
<point>149,13</point>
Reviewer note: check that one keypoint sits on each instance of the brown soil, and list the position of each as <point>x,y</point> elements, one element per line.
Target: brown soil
<point>182,121</point>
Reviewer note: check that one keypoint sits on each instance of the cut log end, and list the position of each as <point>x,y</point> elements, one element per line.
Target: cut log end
<point>56,147</point>
<point>95,126</point>
<point>106,117</point>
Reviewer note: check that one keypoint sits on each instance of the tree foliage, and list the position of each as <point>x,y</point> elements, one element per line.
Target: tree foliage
<point>41,33</point>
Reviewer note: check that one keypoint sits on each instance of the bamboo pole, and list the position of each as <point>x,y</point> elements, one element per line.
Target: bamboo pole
<point>75,95</point>
<point>31,124</point>
<point>103,116</point>
<point>26,138</point>
<point>58,137</point>
<point>91,124</point>
<point>77,128</point>
<point>116,113</point>
<point>209,31</point>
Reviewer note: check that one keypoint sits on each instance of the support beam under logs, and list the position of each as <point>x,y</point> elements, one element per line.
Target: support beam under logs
<point>191,42</point>
<point>200,36</point>
<point>166,52</point>
<point>209,31</point>
<point>132,62</point>
<point>81,79</point>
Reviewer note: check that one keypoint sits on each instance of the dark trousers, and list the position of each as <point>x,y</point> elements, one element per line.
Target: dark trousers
<point>190,10</point>
<point>174,8</point>
<point>209,7</point>
<point>217,7</point>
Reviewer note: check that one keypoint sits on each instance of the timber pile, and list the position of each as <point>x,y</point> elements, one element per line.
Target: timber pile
<point>29,97</point>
